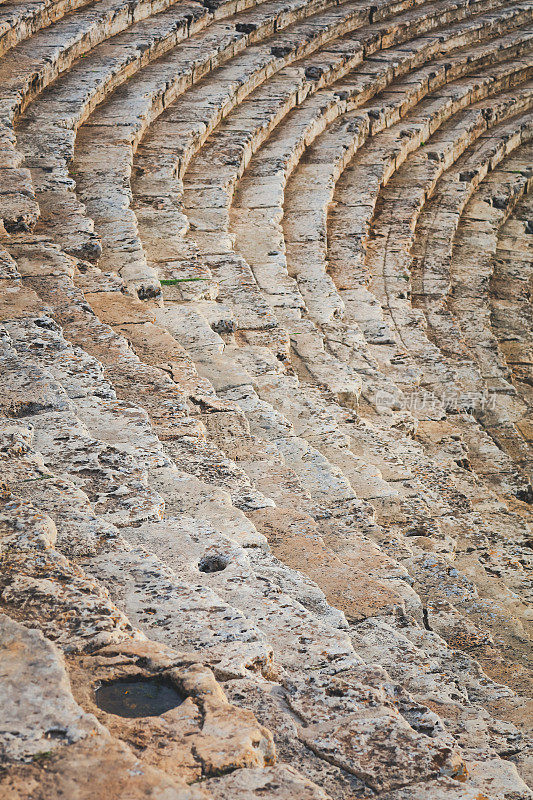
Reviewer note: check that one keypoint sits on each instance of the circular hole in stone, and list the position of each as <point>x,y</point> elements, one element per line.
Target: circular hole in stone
<point>137,698</point>
<point>212,563</point>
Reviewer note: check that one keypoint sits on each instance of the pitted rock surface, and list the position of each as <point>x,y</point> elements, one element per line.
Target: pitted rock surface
<point>265,399</point>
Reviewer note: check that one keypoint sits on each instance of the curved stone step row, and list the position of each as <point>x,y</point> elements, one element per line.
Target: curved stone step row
<point>475,489</point>
<point>218,232</point>
<point>305,228</point>
<point>48,144</point>
<point>102,564</point>
<point>490,206</point>
<point>498,547</point>
<point>456,239</point>
<point>373,167</point>
<point>510,304</point>
<point>19,21</point>
<point>58,428</point>
<point>159,165</point>
<point>240,396</point>
<point>375,153</point>
<point>133,576</point>
<point>331,102</point>
<point>85,332</point>
<point>156,184</point>
<point>33,538</point>
<point>46,267</point>
<point>58,432</point>
<point>177,71</point>
<point>380,583</point>
<point>33,64</point>
<point>255,210</point>
<point>389,264</point>
<point>186,531</point>
<point>474,443</point>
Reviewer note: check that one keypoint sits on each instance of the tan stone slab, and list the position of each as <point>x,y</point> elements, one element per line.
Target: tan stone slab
<point>116,308</point>
<point>18,300</point>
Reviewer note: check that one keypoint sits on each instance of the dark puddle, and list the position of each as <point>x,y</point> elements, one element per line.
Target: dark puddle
<point>141,698</point>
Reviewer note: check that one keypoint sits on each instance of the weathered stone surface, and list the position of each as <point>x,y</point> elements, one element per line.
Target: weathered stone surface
<point>282,782</point>
<point>38,712</point>
<point>265,398</point>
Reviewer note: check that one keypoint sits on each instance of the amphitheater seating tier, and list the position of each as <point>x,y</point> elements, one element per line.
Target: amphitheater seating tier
<point>266,408</point>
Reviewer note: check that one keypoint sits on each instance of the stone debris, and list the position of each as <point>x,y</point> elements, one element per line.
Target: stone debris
<point>266,408</point>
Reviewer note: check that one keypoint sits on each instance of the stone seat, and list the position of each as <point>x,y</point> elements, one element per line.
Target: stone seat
<point>509,310</point>
<point>389,276</point>
<point>188,63</point>
<point>462,289</point>
<point>214,473</point>
<point>19,21</point>
<point>34,63</point>
<point>203,105</point>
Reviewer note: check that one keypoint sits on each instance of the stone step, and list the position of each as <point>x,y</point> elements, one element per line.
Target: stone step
<point>352,245</point>
<point>135,578</point>
<point>33,64</point>
<point>19,21</point>
<point>510,310</point>
<point>226,292</point>
<point>181,68</point>
<point>381,567</point>
<point>203,482</point>
<point>112,66</point>
<point>388,273</point>
<point>461,314</point>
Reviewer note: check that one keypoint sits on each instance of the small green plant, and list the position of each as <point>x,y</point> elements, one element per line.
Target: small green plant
<point>174,281</point>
